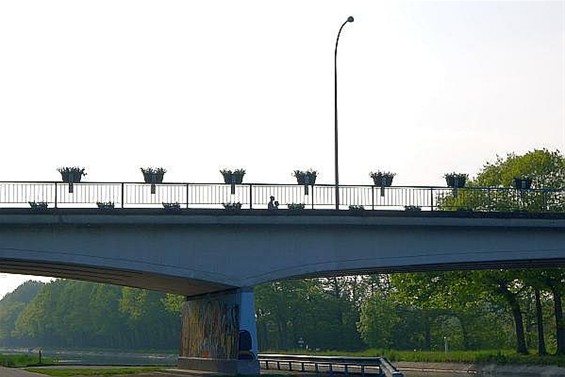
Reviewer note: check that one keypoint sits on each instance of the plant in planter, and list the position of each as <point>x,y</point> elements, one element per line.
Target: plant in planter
<point>153,175</point>
<point>234,177</point>
<point>296,206</point>
<point>354,207</point>
<point>232,206</point>
<point>72,174</point>
<point>456,180</point>
<point>522,183</point>
<point>105,205</point>
<point>307,177</point>
<point>171,206</point>
<point>38,205</point>
<point>382,178</point>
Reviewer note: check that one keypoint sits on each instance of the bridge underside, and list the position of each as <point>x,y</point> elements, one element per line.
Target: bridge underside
<point>137,279</point>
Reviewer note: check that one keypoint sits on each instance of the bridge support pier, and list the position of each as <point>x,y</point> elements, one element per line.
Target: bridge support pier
<point>219,333</point>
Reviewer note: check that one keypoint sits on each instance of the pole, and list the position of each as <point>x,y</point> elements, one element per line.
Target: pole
<point>336,152</point>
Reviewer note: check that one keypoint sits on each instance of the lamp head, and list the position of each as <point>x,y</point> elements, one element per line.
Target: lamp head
<point>350,19</point>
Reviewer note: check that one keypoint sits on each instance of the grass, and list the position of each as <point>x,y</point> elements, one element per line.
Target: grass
<point>15,361</point>
<point>469,357</point>
<point>68,372</point>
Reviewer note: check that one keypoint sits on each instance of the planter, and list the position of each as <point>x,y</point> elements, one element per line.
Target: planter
<point>382,179</point>
<point>296,206</point>
<point>456,180</point>
<point>232,206</point>
<point>522,183</point>
<point>356,208</point>
<point>105,205</point>
<point>153,175</point>
<point>71,174</point>
<point>307,177</point>
<point>38,205</point>
<point>171,206</point>
<point>233,177</point>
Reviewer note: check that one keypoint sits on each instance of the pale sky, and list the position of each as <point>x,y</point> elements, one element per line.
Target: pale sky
<point>425,88</point>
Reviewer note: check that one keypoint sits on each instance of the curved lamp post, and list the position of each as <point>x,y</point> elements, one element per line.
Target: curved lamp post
<point>349,19</point>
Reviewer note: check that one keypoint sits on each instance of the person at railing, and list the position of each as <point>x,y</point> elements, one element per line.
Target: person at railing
<point>272,204</point>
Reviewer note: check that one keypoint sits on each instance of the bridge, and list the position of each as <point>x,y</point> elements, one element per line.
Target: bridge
<point>216,256</point>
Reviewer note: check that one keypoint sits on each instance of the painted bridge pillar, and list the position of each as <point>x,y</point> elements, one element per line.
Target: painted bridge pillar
<point>219,333</point>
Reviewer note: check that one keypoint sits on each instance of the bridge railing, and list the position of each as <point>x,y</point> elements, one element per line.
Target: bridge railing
<point>346,365</point>
<point>256,196</point>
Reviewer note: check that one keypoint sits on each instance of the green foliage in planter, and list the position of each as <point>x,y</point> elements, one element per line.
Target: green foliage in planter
<point>38,205</point>
<point>456,179</point>
<point>354,207</point>
<point>382,178</point>
<point>71,174</point>
<point>175,205</point>
<point>233,177</point>
<point>232,206</point>
<point>105,205</point>
<point>522,183</point>
<point>153,175</point>
<point>296,206</point>
<point>305,177</point>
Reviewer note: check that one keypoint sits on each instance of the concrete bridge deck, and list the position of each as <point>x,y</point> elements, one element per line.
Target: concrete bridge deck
<point>192,252</point>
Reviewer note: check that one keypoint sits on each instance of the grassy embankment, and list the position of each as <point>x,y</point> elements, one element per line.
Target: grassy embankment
<point>22,360</point>
<point>67,372</point>
<point>470,357</point>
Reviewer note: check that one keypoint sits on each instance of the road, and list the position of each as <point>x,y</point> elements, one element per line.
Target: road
<point>14,372</point>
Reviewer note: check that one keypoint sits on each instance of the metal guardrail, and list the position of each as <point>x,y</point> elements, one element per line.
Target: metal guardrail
<point>374,366</point>
<point>256,196</point>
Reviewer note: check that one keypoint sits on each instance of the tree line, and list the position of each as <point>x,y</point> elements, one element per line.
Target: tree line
<point>463,310</point>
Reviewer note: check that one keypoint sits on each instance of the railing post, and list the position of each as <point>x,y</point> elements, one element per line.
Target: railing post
<point>373,197</point>
<point>489,196</point>
<point>312,196</point>
<point>432,198</point>
<point>56,194</point>
<point>545,207</point>
<point>123,195</point>
<point>187,196</point>
<point>251,196</point>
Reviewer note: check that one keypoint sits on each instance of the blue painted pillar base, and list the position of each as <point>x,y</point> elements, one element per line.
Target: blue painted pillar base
<point>219,333</point>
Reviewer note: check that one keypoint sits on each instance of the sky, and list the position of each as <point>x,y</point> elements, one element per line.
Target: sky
<point>424,88</point>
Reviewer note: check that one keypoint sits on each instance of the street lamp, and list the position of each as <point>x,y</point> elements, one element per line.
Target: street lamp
<point>349,19</point>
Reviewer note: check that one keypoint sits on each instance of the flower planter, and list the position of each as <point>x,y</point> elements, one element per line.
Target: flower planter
<point>71,175</point>
<point>456,180</point>
<point>171,207</point>
<point>153,176</point>
<point>382,180</point>
<point>233,178</point>
<point>38,206</point>
<point>296,206</point>
<point>305,178</point>
<point>232,207</point>
<point>522,183</point>
<point>105,205</point>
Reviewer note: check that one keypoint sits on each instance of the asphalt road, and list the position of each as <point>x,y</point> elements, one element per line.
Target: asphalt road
<point>15,372</point>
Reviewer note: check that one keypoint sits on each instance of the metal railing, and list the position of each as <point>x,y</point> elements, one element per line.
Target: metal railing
<point>323,364</point>
<point>256,196</point>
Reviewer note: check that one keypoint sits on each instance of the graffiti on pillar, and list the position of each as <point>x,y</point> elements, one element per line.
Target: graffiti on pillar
<point>210,327</point>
